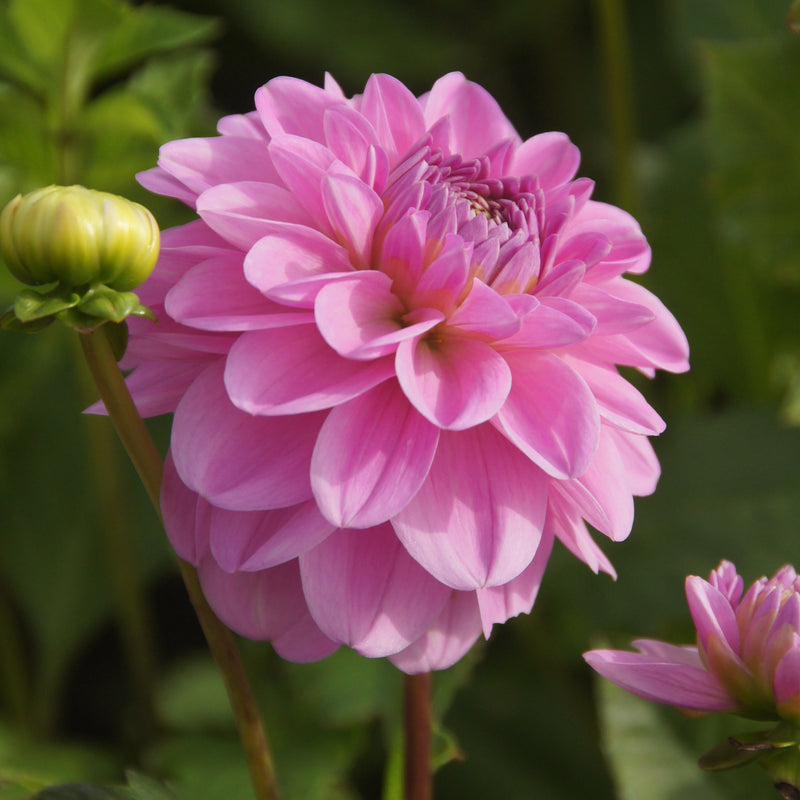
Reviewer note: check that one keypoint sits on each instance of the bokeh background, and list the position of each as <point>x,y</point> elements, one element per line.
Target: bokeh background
<point>687,113</point>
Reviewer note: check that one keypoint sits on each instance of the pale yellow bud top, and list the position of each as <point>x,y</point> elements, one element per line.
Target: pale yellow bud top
<point>78,236</point>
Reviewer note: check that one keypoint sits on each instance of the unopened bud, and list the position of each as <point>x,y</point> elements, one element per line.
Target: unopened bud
<point>78,236</point>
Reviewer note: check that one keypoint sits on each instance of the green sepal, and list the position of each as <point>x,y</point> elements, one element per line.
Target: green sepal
<point>83,309</point>
<point>745,748</point>
<point>9,322</point>
<point>111,305</point>
<point>31,305</point>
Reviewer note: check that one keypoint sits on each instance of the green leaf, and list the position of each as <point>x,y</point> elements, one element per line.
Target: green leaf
<point>645,759</point>
<point>36,765</point>
<point>753,121</point>
<point>150,30</point>
<point>77,791</point>
<point>192,697</point>
<point>142,787</point>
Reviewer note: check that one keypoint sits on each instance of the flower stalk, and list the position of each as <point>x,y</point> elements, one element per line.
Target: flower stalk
<point>617,74</point>
<point>147,461</point>
<point>417,727</point>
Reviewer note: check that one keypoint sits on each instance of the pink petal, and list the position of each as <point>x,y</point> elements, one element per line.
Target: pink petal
<point>361,318</point>
<point>613,314</point>
<point>465,102</point>
<point>786,681</point>
<point>485,313</point>
<point>351,138</point>
<point>602,494</point>
<point>186,516</point>
<point>267,605</point>
<point>290,105</point>
<point>247,125</point>
<point>549,325</point>
<point>446,640</point>
<point>629,249</point>
<point>302,165</point>
<point>688,656</point>
<point>712,613</point>
<point>365,591</point>
<point>662,341</point>
<point>214,295</point>
<point>353,210</point>
<point>444,280</point>
<point>561,279</point>
<point>293,370</point>
<point>238,461</point>
<point>161,182</point>
<point>371,457</point>
<point>728,581</point>
<point>254,540</point>
<point>618,401</point>
<point>568,526</point>
<point>158,386</point>
<point>499,603</point>
<point>477,519</point>
<point>638,460</point>
<point>662,681</point>
<point>550,414</point>
<point>515,276</point>
<point>551,157</point>
<point>395,114</point>
<point>402,251</point>
<point>243,212</point>
<point>202,163</point>
<point>455,383</point>
<point>293,262</point>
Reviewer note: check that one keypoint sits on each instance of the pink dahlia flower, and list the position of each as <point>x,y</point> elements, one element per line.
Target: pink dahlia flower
<point>747,658</point>
<point>390,342</point>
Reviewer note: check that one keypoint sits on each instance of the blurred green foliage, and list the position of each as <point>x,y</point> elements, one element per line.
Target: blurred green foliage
<point>88,91</point>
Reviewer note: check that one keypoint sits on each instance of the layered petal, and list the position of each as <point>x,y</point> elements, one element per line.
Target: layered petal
<point>267,605</point>
<point>296,372</point>
<point>236,460</point>
<point>371,457</point>
<point>249,541</point>
<point>455,383</point>
<point>446,640</point>
<point>477,519</point>
<point>377,611</point>
<point>550,414</point>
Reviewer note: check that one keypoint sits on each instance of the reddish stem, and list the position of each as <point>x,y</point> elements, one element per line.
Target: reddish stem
<point>417,718</point>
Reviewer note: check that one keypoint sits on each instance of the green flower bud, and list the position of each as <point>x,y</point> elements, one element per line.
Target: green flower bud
<point>78,236</point>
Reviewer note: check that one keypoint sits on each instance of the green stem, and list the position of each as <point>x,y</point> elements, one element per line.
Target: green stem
<point>129,595</point>
<point>617,75</point>
<point>142,452</point>
<point>417,726</point>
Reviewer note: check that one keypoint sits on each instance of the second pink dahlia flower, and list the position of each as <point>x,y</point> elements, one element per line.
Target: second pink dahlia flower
<point>747,657</point>
<point>390,342</point>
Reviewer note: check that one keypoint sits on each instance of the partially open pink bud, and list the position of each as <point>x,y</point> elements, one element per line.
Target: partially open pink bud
<point>746,661</point>
<point>747,658</point>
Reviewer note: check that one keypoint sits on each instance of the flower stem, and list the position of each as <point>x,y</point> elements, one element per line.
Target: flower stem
<point>144,455</point>
<point>417,723</point>
<point>128,588</point>
<point>617,75</point>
